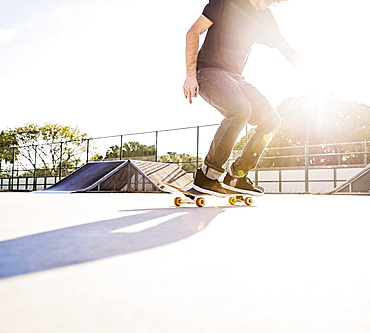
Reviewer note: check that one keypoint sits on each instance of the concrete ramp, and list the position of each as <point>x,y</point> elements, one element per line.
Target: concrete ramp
<point>122,176</point>
<point>359,183</point>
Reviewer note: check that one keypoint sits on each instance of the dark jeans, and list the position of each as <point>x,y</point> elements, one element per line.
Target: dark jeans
<point>240,103</point>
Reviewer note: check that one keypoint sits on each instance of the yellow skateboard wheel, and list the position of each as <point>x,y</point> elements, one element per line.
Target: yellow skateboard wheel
<point>178,201</point>
<point>248,201</point>
<point>232,201</point>
<point>200,202</point>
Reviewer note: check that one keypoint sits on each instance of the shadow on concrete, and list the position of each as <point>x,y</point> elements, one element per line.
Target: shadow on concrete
<point>137,231</point>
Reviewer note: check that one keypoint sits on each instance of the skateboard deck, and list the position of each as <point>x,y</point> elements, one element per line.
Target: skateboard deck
<point>193,196</point>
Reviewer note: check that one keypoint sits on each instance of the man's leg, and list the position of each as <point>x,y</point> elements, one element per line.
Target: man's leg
<point>267,121</point>
<point>223,91</point>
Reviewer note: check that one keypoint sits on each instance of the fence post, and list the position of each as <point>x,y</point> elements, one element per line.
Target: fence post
<point>280,181</point>
<point>306,152</point>
<point>156,147</point>
<point>87,150</point>
<point>12,179</point>
<point>61,160</point>
<point>120,149</point>
<point>35,169</point>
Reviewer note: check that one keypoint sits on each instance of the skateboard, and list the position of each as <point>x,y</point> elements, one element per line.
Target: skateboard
<point>193,196</point>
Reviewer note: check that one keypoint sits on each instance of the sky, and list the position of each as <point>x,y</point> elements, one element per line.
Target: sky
<point>117,66</point>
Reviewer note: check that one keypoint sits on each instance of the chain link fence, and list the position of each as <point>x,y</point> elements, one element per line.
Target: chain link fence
<point>35,167</point>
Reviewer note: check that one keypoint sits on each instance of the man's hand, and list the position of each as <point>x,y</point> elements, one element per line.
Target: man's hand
<point>191,88</point>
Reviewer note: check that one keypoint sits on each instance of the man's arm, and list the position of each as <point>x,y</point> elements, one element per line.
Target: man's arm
<point>191,87</point>
<point>292,55</point>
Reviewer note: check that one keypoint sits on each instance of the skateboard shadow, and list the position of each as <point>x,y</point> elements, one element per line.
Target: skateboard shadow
<point>136,230</point>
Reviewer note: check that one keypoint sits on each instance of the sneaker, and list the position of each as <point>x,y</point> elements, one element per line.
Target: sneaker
<point>242,185</point>
<point>205,185</point>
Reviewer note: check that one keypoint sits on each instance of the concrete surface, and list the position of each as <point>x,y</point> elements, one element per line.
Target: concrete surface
<point>75,263</point>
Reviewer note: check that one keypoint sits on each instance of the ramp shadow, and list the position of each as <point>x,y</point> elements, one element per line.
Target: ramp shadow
<point>141,230</point>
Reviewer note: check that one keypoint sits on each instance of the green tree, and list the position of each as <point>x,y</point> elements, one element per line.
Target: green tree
<point>132,149</point>
<point>136,150</point>
<point>8,152</point>
<point>327,120</point>
<point>8,142</point>
<point>185,161</point>
<point>50,148</point>
<point>328,124</point>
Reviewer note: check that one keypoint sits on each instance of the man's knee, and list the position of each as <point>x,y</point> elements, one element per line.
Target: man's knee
<point>242,114</point>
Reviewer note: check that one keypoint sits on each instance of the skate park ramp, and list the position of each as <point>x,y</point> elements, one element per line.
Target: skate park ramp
<point>358,184</point>
<point>122,176</point>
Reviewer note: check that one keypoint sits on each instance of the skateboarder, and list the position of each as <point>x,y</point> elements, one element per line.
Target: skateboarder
<point>215,72</point>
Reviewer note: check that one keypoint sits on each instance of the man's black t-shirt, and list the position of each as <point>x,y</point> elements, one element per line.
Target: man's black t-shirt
<point>236,27</point>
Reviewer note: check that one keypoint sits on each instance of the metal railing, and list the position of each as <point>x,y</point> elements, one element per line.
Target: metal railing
<point>35,167</point>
